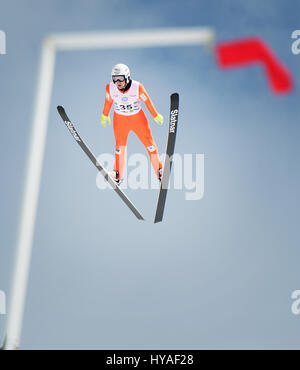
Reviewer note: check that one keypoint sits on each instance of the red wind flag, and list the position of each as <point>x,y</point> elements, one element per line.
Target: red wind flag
<point>254,50</point>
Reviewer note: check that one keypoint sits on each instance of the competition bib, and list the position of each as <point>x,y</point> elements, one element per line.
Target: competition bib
<point>127,103</point>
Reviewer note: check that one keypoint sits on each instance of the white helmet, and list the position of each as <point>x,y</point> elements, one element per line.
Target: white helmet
<point>121,70</point>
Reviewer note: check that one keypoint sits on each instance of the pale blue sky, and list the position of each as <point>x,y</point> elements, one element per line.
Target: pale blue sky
<point>217,273</point>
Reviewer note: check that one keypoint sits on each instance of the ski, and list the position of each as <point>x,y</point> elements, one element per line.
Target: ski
<point>98,165</point>
<point>174,108</point>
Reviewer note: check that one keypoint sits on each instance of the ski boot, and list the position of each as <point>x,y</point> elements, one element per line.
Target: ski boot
<point>115,176</point>
<point>159,174</point>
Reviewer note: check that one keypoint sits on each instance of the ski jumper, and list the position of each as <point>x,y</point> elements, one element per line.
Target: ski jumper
<point>129,116</point>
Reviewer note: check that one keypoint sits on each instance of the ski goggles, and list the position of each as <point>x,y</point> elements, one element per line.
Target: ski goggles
<point>118,78</point>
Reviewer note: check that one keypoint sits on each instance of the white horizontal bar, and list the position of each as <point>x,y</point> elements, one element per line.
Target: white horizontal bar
<point>134,38</point>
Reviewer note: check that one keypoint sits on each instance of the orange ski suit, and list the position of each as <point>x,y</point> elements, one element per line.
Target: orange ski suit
<point>137,123</point>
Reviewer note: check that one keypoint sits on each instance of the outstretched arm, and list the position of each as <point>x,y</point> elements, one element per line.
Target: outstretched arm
<point>107,106</point>
<point>148,102</point>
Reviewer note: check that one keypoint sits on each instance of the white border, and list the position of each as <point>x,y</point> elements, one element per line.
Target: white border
<point>53,43</point>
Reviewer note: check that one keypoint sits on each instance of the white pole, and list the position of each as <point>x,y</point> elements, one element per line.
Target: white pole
<point>31,194</point>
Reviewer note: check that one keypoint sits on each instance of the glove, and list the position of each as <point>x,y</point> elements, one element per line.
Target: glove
<point>159,119</point>
<point>105,119</point>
